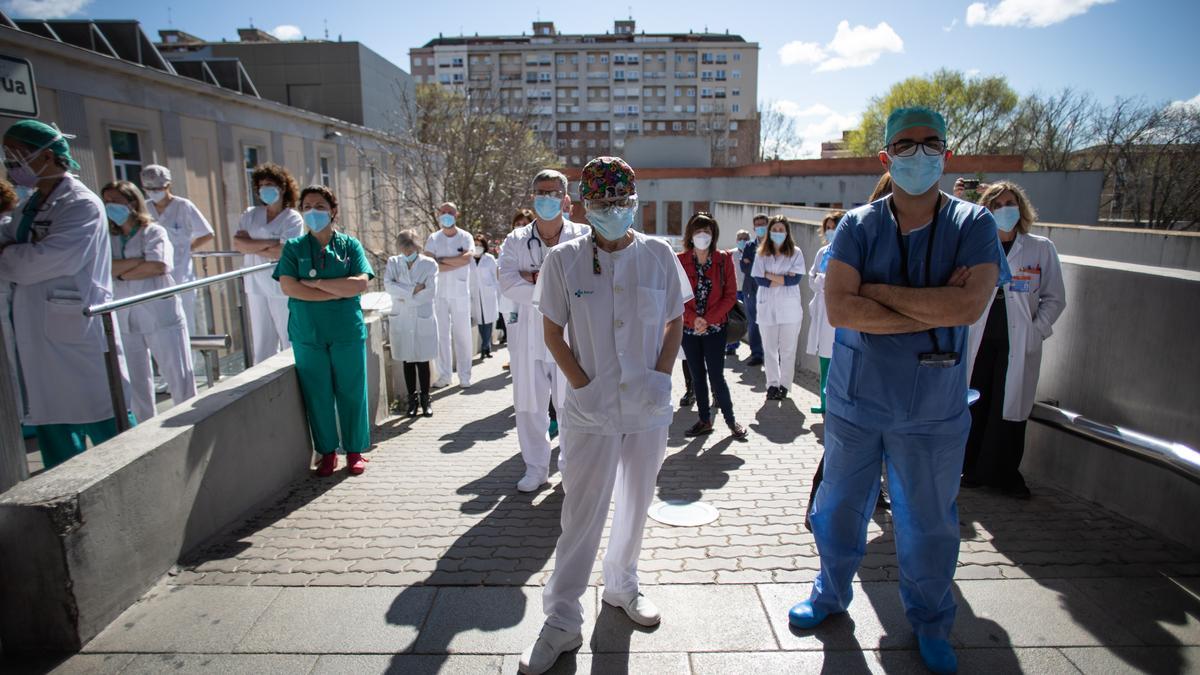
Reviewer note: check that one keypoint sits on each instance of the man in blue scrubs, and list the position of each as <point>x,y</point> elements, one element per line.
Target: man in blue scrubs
<point>908,273</point>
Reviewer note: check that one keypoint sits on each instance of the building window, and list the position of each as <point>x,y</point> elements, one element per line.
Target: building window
<point>733,125</point>
<point>604,126</point>
<point>736,107</point>
<point>735,92</point>
<point>416,60</point>
<point>737,74</point>
<point>591,58</point>
<point>691,126</point>
<point>697,207</point>
<point>127,156</point>
<point>374,187</point>
<point>604,58</point>
<point>649,217</point>
<point>250,155</point>
<point>574,126</point>
<point>662,126</point>
<point>325,172</point>
<point>675,218</point>
<point>737,56</point>
<point>591,126</point>
<point>676,126</point>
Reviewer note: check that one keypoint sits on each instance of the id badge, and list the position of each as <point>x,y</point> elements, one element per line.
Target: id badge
<point>938,359</point>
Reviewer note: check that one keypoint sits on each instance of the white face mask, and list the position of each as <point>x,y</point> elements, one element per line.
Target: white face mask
<point>156,195</point>
<point>478,251</point>
<point>702,241</point>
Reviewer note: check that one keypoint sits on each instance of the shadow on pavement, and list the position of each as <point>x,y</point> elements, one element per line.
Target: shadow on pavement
<point>780,422</point>
<point>686,474</point>
<point>490,428</point>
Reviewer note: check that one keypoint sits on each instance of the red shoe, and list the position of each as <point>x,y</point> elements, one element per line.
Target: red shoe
<point>327,465</point>
<point>356,463</point>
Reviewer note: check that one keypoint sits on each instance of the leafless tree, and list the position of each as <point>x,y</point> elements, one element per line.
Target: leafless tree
<point>778,138</point>
<point>1048,131</point>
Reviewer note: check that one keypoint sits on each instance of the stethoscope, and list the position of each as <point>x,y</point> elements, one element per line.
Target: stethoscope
<point>541,254</point>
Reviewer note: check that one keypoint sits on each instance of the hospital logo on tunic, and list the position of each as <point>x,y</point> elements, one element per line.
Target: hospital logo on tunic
<point>580,293</point>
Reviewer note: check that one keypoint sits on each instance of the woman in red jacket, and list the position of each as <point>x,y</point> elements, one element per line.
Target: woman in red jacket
<point>714,290</point>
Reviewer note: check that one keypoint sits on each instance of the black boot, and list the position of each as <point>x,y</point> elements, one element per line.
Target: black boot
<point>426,405</point>
<point>413,402</point>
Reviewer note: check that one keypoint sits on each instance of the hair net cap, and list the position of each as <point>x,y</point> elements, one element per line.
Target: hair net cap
<point>40,136</point>
<point>607,177</point>
<point>155,176</point>
<point>902,119</point>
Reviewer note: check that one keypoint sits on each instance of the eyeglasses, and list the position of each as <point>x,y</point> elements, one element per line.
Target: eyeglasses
<point>557,194</point>
<point>610,203</point>
<point>908,148</point>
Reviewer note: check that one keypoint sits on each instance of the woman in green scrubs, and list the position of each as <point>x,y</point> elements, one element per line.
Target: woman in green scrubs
<point>323,272</point>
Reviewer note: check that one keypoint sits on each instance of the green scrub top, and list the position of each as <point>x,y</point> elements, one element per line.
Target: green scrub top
<point>332,320</point>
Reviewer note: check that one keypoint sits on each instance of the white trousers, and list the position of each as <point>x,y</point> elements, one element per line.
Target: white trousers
<point>188,300</point>
<point>628,462</point>
<point>780,343</point>
<point>454,329</point>
<point>171,351</point>
<point>268,316</point>
<point>532,385</point>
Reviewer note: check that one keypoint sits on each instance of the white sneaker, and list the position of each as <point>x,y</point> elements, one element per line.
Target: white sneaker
<point>440,384</point>
<point>637,607</point>
<point>551,644</point>
<point>464,385</point>
<point>531,483</point>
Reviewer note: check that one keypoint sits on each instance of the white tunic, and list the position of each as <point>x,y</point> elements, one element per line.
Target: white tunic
<point>779,304</point>
<point>149,242</point>
<point>615,321</point>
<point>820,332</point>
<point>523,251</point>
<point>184,224</point>
<point>412,326</point>
<point>485,287</point>
<point>1034,300</point>
<point>453,284</point>
<point>287,225</point>
<point>64,267</point>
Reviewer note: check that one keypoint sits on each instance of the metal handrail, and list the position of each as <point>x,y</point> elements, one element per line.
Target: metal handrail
<point>217,254</point>
<point>1176,457</point>
<point>105,311</point>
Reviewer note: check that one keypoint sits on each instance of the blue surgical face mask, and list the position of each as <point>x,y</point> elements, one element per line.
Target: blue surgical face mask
<point>446,220</point>
<point>547,208</point>
<point>118,213</point>
<point>269,194</point>
<point>915,175</point>
<point>829,235</point>
<point>411,257</point>
<point>778,238</point>
<point>743,244</point>
<point>760,231</point>
<point>1007,217</point>
<point>317,220</point>
<point>612,224</point>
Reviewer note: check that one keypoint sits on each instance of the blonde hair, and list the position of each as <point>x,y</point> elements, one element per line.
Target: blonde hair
<point>836,217</point>
<point>1028,213</point>
<point>137,204</point>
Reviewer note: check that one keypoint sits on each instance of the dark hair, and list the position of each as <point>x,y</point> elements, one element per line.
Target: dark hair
<point>768,247</point>
<point>8,196</point>
<point>481,239</point>
<point>325,193</point>
<point>760,216</point>
<point>882,187</point>
<point>137,203</point>
<point>701,220</point>
<point>525,214</point>
<point>279,176</point>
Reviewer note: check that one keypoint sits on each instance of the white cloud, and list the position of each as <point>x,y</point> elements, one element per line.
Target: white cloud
<point>949,28</point>
<point>815,124</point>
<point>850,48</point>
<point>44,9</point>
<point>1193,102</point>
<point>288,32</point>
<point>1028,13</point>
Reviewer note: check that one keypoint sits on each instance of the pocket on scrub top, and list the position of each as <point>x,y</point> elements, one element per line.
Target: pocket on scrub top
<point>938,393</point>
<point>65,322</point>
<point>656,393</point>
<point>583,405</point>
<point>843,372</point>
<point>650,304</point>
<point>425,311</point>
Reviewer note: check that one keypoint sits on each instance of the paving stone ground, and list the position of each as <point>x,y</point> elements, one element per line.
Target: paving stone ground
<point>432,562</point>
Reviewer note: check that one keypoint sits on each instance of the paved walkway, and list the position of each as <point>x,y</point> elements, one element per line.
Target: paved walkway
<point>431,562</point>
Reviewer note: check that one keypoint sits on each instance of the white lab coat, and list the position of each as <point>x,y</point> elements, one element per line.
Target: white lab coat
<point>1034,300</point>
<point>615,323</point>
<point>779,305</point>
<point>266,304</point>
<point>412,326</point>
<point>65,267</point>
<point>452,306</point>
<point>820,332</point>
<point>736,256</point>
<point>485,289</point>
<point>523,251</point>
<point>155,328</point>
<point>184,224</point>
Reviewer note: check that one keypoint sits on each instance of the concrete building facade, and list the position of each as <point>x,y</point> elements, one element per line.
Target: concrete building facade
<point>592,94</point>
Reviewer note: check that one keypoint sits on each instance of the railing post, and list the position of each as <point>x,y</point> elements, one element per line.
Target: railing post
<point>247,357</point>
<point>113,364</point>
<point>212,360</point>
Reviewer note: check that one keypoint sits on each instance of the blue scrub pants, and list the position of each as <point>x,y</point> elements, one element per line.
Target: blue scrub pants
<point>752,334</point>
<point>923,476</point>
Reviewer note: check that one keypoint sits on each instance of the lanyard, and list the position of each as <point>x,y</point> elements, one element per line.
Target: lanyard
<point>928,253</point>
<point>125,238</point>
<point>25,227</point>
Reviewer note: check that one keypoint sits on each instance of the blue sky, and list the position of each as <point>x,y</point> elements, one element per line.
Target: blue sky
<point>1108,47</point>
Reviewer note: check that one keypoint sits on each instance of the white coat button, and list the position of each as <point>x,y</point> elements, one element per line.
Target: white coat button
<point>620,323</point>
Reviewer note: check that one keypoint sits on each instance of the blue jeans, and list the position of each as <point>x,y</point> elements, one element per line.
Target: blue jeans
<point>705,356</point>
<point>755,338</point>
<point>485,338</point>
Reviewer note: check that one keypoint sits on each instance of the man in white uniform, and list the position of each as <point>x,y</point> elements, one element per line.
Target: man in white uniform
<point>619,296</point>
<point>534,373</point>
<point>452,248</point>
<point>187,229</point>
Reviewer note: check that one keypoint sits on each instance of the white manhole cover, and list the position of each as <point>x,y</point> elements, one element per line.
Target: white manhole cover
<point>683,514</point>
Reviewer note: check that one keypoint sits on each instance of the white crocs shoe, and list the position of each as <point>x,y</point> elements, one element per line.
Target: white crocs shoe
<point>637,607</point>
<point>531,483</point>
<point>551,644</point>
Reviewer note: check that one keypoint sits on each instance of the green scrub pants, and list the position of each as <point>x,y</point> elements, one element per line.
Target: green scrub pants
<point>60,442</point>
<point>335,373</point>
<point>824,381</point>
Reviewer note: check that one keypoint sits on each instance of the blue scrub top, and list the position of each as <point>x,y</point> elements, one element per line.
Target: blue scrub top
<point>876,381</point>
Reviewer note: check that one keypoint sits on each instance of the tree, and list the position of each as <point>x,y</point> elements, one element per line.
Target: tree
<point>1048,131</point>
<point>778,138</point>
<point>977,111</point>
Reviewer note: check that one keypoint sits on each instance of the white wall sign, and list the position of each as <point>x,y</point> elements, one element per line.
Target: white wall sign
<point>18,95</point>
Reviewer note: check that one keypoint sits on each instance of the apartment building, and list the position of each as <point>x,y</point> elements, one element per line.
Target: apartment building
<point>593,94</point>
